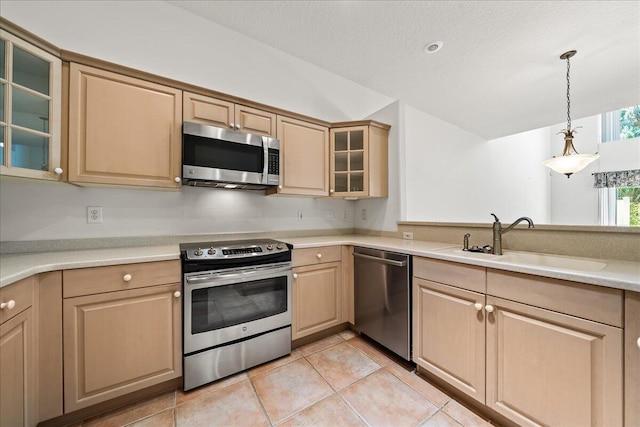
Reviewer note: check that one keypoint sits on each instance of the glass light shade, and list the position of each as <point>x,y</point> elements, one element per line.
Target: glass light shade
<point>571,163</point>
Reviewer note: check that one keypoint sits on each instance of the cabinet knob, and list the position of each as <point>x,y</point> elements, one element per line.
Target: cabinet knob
<point>489,308</point>
<point>319,256</point>
<point>177,294</point>
<point>8,305</point>
<point>232,125</point>
<point>237,126</point>
<point>126,278</point>
<point>177,179</point>
<point>58,171</point>
<point>478,306</point>
<point>331,190</point>
<point>295,276</point>
<point>279,187</point>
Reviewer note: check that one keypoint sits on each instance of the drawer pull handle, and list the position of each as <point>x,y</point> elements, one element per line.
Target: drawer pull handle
<point>638,342</point>
<point>489,308</point>
<point>295,276</point>
<point>478,306</point>
<point>177,294</point>
<point>319,256</point>
<point>127,278</point>
<point>8,305</point>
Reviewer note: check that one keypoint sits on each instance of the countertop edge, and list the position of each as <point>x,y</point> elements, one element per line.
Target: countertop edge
<point>19,266</point>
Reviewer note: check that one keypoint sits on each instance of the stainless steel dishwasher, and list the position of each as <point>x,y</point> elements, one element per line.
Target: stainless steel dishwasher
<point>383,298</point>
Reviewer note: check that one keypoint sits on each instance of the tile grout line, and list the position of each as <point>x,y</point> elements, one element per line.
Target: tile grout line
<point>255,392</point>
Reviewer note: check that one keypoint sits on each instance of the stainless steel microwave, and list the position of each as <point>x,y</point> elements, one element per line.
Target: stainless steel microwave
<point>224,158</point>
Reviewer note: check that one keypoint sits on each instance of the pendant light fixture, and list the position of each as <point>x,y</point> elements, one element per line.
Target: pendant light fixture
<point>570,162</point>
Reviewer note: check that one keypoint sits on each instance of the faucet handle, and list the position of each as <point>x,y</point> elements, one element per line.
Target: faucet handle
<point>496,218</point>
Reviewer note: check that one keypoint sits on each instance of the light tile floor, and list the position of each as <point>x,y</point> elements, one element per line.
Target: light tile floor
<point>342,380</point>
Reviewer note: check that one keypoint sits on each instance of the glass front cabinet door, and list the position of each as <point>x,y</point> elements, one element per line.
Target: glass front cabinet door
<point>30,108</point>
<point>359,160</point>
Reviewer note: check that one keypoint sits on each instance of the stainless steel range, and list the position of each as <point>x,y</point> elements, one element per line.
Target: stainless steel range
<point>237,307</point>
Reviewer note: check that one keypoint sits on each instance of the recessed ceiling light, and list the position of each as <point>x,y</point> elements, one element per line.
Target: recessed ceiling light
<point>432,47</point>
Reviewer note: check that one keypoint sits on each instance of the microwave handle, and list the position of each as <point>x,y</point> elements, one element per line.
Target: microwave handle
<point>265,160</point>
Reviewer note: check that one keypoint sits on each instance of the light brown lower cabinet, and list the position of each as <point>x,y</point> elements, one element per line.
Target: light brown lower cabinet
<point>317,291</point>
<point>548,368</point>
<point>119,342</point>
<point>317,298</point>
<point>632,359</point>
<point>17,386</point>
<point>449,335</point>
<point>533,364</point>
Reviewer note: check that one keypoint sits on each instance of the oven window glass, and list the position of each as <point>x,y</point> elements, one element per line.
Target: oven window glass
<point>222,306</point>
<point>218,154</point>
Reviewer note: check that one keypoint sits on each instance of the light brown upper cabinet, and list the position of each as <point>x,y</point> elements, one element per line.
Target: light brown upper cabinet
<point>219,113</point>
<point>304,158</point>
<point>359,160</point>
<point>30,110</point>
<point>123,130</point>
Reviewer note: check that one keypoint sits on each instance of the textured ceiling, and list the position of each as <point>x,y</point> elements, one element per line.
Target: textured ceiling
<point>498,73</point>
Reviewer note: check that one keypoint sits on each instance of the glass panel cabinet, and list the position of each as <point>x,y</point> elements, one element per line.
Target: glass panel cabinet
<point>359,160</point>
<point>30,109</point>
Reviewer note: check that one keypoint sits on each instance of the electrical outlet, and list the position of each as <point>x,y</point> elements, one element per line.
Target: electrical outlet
<point>364,214</point>
<point>328,215</point>
<point>407,236</point>
<point>299,216</point>
<point>94,214</point>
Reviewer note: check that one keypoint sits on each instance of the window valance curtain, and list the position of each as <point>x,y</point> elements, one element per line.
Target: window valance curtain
<point>630,178</point>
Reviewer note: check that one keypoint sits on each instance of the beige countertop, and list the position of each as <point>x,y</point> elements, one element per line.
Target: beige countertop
<point>609,273</point>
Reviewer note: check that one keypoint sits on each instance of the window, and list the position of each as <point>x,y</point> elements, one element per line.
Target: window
<point>623,124</point>
<point>620,206</point>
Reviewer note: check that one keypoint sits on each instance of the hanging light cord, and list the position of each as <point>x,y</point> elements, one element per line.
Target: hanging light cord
<point>568,98</point>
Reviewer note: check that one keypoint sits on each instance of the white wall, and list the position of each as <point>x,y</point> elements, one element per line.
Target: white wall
<point>455,176</point>
<point>159,38</point>
<point>36,211</point>
<point>383,214</point>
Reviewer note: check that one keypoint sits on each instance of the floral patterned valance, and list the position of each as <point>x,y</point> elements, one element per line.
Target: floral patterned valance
<point>617,179</point>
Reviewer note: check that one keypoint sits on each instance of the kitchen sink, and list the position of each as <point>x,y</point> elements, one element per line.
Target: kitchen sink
<point>553,261</point>
<point>533,259</point>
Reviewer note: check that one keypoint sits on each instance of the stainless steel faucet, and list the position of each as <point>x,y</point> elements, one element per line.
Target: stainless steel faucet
<point>498,232</point>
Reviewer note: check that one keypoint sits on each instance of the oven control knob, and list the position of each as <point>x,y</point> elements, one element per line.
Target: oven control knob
<point>198,252</point>
<point>279,246</point>
<point>211,251</point>
<point>269,247</point>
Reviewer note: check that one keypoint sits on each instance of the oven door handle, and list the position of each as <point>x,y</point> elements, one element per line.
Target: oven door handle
<point>236,274</point>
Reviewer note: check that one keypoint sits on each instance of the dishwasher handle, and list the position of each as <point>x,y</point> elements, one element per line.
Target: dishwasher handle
<point>381,260</point>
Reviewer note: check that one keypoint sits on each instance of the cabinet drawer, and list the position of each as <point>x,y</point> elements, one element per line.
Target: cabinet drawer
<point>21,293</point>
<point>597,303</point>
<point>469,277</point>
<point>312,256</point>
<point>93,280</point>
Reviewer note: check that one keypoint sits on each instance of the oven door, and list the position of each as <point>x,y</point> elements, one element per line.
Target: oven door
<point>234,304</point>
